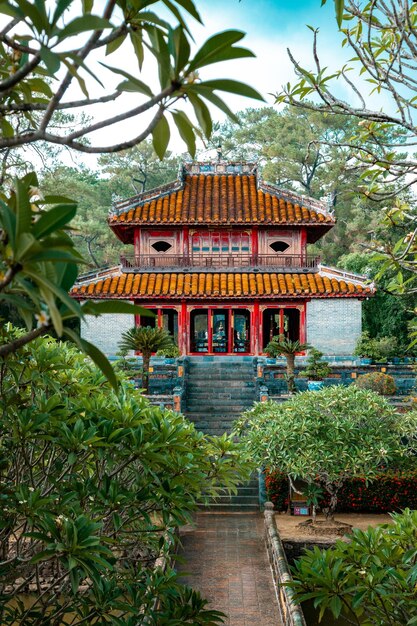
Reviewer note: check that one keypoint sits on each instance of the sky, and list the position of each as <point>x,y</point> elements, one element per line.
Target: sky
<point>271,26</point>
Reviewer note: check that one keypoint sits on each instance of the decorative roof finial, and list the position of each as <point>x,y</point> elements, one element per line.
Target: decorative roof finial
<point>219,152</point>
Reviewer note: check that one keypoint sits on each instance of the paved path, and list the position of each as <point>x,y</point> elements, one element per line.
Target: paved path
<point>226,560</point>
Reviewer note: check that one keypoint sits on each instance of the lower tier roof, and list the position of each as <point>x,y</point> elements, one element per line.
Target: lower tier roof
<point>222,286</point>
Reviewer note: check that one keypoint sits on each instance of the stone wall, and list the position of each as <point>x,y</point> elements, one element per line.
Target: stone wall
<point>106,331</point>
<point>271,376</point>
<point>334,326</point>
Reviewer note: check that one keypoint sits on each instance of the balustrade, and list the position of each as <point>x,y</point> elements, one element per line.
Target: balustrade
<point>220,262</point>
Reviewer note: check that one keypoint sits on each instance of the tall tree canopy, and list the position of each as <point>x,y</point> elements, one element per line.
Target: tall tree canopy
<point>305,151</point>
<point>381,37</point>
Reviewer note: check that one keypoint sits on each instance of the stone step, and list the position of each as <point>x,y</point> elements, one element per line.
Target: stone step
<point>229,508</point>
<point>221,397</point>
<point>230,378</point>
<point>222,387</point>
<point>217,411</point>
<point>246,498</point>
<point>233,382</point>
<point>210,428</point>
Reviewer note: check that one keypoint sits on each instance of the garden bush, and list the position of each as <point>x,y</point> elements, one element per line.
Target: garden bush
<point>326,437</point>
<point>389,490</point>
<point>92,482</point>
<point>379,382</point>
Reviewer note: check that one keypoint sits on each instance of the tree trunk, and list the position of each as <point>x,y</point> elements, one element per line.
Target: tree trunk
<point>332,503</point>
<point>146,358</point>
<point>290,372</point>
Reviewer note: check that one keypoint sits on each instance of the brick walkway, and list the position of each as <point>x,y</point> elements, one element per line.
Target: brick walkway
<point>226,560</point>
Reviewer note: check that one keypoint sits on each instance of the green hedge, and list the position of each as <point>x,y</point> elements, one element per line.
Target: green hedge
<point>389,491</point>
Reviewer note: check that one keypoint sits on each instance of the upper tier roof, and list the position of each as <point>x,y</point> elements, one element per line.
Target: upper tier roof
<point>220,194</point>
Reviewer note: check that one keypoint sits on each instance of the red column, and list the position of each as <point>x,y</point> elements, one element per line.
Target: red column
<point>137,241</point>
<point>182,329</point>
<point>303,324</point>
<point>255,328</point>
<point>303,245</point>
<point>210,331</point>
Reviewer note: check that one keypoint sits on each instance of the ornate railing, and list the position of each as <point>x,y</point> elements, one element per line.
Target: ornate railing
<point>220,262</point>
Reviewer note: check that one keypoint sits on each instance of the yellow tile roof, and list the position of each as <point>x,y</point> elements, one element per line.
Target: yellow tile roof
<point>219,199</point>
<point>199,285</point>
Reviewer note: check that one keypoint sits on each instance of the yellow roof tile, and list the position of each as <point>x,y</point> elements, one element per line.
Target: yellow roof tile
<point>200,285</point>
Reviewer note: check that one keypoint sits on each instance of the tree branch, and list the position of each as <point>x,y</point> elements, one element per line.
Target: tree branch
<point>13,346</point>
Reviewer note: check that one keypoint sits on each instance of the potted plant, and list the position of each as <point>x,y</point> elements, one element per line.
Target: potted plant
<point>280,346</point>
<point>365,348</point>
<point>316,370</point>
<point>170,353</point>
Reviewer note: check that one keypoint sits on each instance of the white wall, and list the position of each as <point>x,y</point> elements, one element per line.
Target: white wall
<point>334,326</point>
<point>106,331</point>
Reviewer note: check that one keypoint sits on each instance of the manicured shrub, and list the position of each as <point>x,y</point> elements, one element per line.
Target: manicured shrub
<point>379,382</point>
<point>389,491</point>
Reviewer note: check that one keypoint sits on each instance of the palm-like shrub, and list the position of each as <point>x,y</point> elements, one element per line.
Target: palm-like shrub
<point>146,340</point>
<point>278,346</point>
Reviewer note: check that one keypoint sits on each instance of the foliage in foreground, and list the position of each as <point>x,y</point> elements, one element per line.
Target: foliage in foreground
<point>371,580</point>
<point>324,437</point>
<point>91,483</point>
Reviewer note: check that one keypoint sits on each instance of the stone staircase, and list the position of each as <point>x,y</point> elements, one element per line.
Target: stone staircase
<point>218,390</point>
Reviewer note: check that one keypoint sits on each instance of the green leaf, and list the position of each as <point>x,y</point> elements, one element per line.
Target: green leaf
<point>49,286</point>
<point>54,219</point>
<point>141,86</point>
<point>112,306</point>
<point>185,129</point>
<point>8,221</point>
<point>233,86</point>
<point>137,43</point>
<point>180,49</point>
<point>160,137</point>
<point>6,128</point>
<point>23,208</point>
<point>88,5</point>
<point>161,53</point>
<point>339,6</point>
<point>38,18</point>
<point>219,48</point>
<point>218,102</point>
<point>190,7</point>
<point>51,60</point>
<point>83,24</point>
<point>40,86</point>
<point>60,8</point>
<point>24,243</point>
<point>96,355</point>
<point>201,111</point>
<point>112,46</point>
